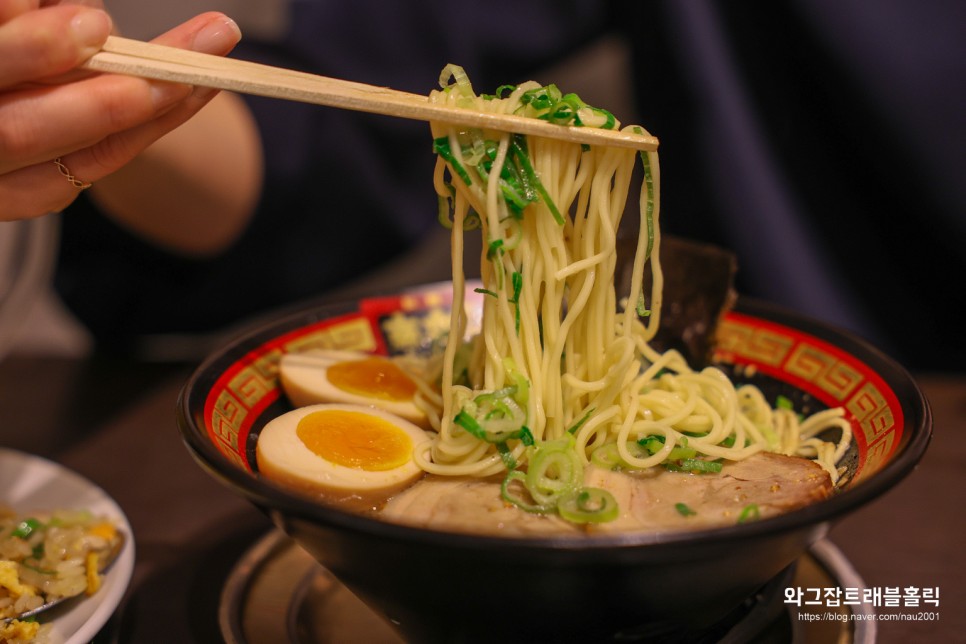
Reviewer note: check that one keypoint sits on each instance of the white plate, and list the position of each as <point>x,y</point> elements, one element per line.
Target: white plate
<point>30,483</point>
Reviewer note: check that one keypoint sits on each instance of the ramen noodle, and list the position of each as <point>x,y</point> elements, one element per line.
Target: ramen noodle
<point>561,385</point>
<point>562,374</point>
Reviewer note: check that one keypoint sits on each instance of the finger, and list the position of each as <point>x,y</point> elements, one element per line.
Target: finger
<point>86,3</point>
<point>42,188</point>
<point>117,150</point>
<point>210,33</point>
<point>35,191</point>
<point>9,9</point>
<point>39,124</point>
<point>51,41</point>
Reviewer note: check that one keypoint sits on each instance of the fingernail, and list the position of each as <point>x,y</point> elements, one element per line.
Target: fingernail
<point>217,37</point>
<point>91,27</point>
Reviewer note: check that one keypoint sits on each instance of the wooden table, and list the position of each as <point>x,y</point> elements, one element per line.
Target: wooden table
<point>114,422</point>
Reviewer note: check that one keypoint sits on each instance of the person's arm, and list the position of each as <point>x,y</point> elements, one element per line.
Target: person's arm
<point>95,125</point>
<point>194,190</point>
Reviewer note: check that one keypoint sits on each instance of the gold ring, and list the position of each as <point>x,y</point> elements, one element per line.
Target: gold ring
<point>74,181</point>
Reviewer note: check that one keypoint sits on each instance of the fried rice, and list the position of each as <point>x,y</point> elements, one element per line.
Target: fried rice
<point>45,556</point>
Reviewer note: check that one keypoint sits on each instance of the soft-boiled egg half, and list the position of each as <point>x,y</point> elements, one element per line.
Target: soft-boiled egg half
<point>330,376</point>
<point>353,454</point>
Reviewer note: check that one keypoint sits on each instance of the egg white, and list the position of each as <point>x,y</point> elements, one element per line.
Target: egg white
<point>283,457</point>
<point>305,381</point>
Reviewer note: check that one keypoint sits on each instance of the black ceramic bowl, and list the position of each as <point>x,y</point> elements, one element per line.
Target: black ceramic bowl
<point>437,586</point>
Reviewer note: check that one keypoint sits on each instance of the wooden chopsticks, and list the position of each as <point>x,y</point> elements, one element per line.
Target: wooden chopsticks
<point>136,58</point>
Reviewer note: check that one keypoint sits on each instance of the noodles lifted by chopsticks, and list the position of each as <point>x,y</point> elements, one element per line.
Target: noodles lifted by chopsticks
<point>562,373</point>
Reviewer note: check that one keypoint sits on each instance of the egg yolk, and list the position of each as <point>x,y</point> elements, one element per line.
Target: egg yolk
<point>355,439</point>
<point>373,377</point>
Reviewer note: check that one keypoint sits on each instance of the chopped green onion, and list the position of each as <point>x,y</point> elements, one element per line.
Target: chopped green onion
<point>654,444</point>
<point>677,453</point>
<point>445,211</point>
<point>749,513</point>
<point>684,510</point>
<point>642,310</point>
<point>508,461</point>
<point>609,121</point>
<point>554,470</point>
<point>514,199</point>
<point>785,403</point>
<point>469,423</point>
<point>588,505</point>
<point>459,80</point>
<point>681,453</point>
<point>26,527</point>
<point>526,436</point>
<point>521,394</point>
<point>442,148</point>
<point>607,457</point>
<point>520,502</point>
<point>517,281</point>
<point>509,89</point>
<point>518,145</point>
<point>472,220</point>
<point>580,422</point>
<point>494,417</point>
<point>694,465</point>
<point>516,278</point>
<point>541,99</point>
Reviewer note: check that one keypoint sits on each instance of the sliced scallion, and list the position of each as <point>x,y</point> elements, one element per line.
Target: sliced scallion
<point>684,510</point>
<point>442,147</point>
<point>588,505</point>
<point>580,422</point>
<point>494,249</point>
<point>517,500</point>
<point>26,527</point>
<point>519,148</point>
<point>749,513</point>
<point>693,465</point>
<point>484,291</point>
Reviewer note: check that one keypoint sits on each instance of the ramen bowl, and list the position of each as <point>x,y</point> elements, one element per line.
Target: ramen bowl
<point>437,586</point>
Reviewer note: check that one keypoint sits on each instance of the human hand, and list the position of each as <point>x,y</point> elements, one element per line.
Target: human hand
<point>93,123</point>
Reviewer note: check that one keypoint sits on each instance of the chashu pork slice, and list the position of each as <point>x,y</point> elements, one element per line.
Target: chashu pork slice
<point>658,500</point>
<point>653,501</point>
<point>458,504</point>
